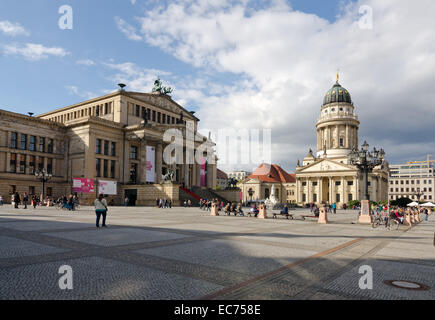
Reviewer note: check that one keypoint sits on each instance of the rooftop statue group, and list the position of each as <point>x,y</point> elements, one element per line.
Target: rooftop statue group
<point>159,88</point>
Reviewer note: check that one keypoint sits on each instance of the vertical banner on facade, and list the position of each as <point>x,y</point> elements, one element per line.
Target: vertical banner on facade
<point>151,164</point>
<point>107,187</point>
<point>82,185</point>
<point>202,173</point>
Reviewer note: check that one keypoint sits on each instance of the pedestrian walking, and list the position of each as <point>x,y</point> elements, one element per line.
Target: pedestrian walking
<point>100,210</point>
<point>16,200</point>
<point>1,200</point>
<point>25,200</point>
<point>189,203</point>
<point>126,202</point>
<point>334,207</point>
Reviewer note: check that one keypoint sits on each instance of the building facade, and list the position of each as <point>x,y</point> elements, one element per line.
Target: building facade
<point>414,180</point>
<point>327,176</point>
<point>258,185</point>
<point>221,179</point>
<point>104,138</point>
<point>238,175</point>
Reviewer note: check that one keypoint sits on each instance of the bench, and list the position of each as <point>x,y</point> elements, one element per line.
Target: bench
<point>287,215</point>
<point>315,217</point>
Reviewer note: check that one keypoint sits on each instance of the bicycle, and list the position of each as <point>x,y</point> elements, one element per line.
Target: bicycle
<point>377,220</point>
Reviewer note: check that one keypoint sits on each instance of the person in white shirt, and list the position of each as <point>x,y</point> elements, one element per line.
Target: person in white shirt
<point>100,209</point>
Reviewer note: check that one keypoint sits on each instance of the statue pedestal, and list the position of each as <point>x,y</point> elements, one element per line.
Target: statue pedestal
<point>214,209</point>
<point>365,217</point>
<point>323,217</point>
<point>262,212</point>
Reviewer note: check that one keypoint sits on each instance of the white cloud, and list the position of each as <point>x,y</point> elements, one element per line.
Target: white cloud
<point>12,29</point>
<point>86,62</point>
<point>286,61</point>
<point>127,29</point>
<point>34,52</point>
<point>74,90</point>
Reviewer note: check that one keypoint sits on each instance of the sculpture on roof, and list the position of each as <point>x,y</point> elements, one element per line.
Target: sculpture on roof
<point>159,88</point>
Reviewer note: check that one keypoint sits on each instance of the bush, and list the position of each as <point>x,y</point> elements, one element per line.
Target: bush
<point>352,203</point>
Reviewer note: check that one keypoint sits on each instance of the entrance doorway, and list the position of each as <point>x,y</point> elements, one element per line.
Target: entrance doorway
<point>131,194</point>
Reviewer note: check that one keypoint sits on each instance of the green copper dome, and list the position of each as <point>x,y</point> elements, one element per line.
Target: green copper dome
<point>337,94</point>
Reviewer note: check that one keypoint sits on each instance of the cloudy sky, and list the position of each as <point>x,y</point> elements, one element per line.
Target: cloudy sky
<point>241,64</point>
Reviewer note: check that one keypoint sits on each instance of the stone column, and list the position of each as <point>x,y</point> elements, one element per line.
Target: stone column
<point>126,162</point>
<point>330,190</point>
<point>319,188</point>
<point>159,162</point>
<point>186,175</point>
<point>357,195</point>
<point>298,191</point>
<point>308,191</point>
<point>343,190</point>
<point>348,141</point>
<point>8,162</point>
<point>214,167</point>
<point>193,173</point>
<point>143,161</point>
<point>209,176</point>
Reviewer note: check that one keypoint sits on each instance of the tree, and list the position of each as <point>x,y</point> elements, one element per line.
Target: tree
<point>401,202</point>
<point>352,203</point>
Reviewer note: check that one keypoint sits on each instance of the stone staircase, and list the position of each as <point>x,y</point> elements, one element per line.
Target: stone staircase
<point>208,194</point>
<point>186,194</point>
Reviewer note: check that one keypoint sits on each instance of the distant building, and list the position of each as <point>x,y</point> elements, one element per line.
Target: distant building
<point>238,175</point>
<point>258,185</point>
<point>406,180</point>
<point>221,179</point>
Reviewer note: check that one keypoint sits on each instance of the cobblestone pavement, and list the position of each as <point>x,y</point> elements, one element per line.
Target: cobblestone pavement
<point>184,253</point>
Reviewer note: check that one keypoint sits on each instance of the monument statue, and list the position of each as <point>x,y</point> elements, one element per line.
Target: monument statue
<point>272,201</point>
<point>159,88</point>
<point>169,175</point>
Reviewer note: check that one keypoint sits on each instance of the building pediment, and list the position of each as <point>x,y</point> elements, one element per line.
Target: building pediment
<point>325,165</point>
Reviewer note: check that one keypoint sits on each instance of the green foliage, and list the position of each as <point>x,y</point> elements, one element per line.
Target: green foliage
<point>401,202</point>
<point>352,203</point>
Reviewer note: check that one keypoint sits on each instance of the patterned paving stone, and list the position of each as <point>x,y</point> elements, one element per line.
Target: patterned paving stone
<point>118,236</point>
<point>11,247</point>
<point>98,278</point>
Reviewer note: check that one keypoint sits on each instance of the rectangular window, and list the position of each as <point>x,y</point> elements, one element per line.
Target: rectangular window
<point>97,111</point>
<point>337,197</point>
<point>106,108</point>
<point>137,111</point>
<point>23,144</point>
<point>50,146</point>
<point>105,168</point>
<point>49,191</point>
<point>144,112</point>
<point>338,183</point>
<point>349,197</point>
<point>32,144</point>
<point>31,190</point>
<point>314,185</point>
<point>304,183</point>
<point>98,167</point>
<point>22,164</point>
<point>14,138</point>
<point>314,197</point>
<point>133,173</point>
<point>341,142</point>
<point>164,118</point>
<point>173,120</point>
<point>13,163</point>
<point>40,163</point>
<point>41,144</point>
<point>49,165</point>
<point>98,147</point>
<point>112,169</point>
<point>154,115</point>
<point>31,164</point>
<point>158,117</point>
<point>113,149</point>
<point>304,197</point>
<point>133,152</point>
<point>350,183</point>
<point>148,114</point>
<point>106,148</point>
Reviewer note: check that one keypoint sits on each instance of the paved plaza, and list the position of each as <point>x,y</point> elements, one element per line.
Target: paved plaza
<point>184,253</point>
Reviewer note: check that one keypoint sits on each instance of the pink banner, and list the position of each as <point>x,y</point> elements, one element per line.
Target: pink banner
<point>202,173</point>
<point>82,185</point>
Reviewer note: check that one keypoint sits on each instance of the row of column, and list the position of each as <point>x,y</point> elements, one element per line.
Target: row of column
<point>189,174</point>
<point>351,133</point>
<point>310,190</point>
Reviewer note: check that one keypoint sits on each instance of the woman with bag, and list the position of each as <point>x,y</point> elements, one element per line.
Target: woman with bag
<point>100,209</point>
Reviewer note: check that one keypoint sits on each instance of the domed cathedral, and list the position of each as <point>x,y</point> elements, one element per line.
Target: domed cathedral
<point>327,176</point>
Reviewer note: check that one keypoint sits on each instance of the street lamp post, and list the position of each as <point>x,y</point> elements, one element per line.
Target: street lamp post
<point>365,161</point>
<point>418,193</point>
<point>43,176</point>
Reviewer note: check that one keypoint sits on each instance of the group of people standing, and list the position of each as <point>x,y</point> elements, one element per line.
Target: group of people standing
<point>163,203</point>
